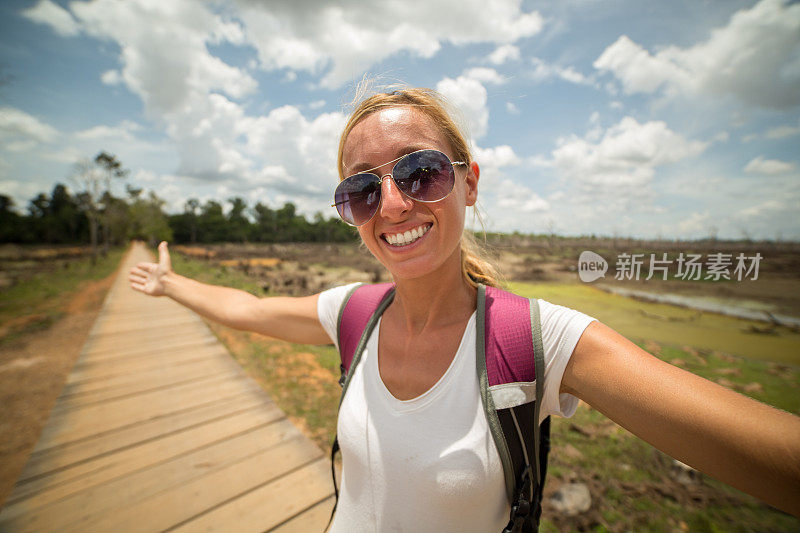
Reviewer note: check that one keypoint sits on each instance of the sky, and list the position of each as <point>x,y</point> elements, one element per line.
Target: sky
<point>676,119</point>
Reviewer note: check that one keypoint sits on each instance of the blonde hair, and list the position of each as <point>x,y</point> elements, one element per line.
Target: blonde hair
<point>475,265</point>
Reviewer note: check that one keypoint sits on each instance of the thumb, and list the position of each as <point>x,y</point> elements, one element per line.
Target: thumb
<point>163,256</point>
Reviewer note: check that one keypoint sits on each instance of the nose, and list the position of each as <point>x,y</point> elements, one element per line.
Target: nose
<point>394,204</point>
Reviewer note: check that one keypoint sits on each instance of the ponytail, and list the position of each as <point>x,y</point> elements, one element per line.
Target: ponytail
<point>475,265</point>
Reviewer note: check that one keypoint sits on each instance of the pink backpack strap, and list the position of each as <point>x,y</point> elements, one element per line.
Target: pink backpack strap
<point>354,315</point>
<point>509,339</point>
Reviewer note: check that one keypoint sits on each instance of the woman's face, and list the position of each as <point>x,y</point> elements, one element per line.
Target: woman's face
<point>375,141</point>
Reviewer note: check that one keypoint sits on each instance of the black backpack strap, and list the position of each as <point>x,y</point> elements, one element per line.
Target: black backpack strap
<point>529,455</point>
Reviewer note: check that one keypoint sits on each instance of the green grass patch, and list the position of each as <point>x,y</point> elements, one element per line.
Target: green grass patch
<point>208,273</point>
<point>36,301</point>
<point>671,325</point>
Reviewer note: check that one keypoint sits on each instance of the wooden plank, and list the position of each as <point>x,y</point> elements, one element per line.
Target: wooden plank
<point>269,505</point>
<point>88,359</point>
<point>192,481</point>
<point>313,519</point>
<point>95,420</point>
<point>64,483</point>
<point>153,359</point>
<point>154,338</point>
<point>147,399</point>
<point>124,325</point>
<point>182,504</point>
<point>165,379</point>
<point>127,383</point>
<point>47,460</point>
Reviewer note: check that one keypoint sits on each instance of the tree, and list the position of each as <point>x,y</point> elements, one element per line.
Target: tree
<point>148,221</point>
<point>266,223</point>
<point>10,221</point>
<point>238,225</point>
<point>212,222</point>
<point>93,179</point>
<point>190,208</point>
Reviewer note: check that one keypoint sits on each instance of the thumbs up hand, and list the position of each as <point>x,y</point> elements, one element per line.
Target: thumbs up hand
<point>149,277</point>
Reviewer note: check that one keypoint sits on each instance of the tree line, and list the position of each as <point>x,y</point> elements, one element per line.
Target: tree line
<point>94,215</point>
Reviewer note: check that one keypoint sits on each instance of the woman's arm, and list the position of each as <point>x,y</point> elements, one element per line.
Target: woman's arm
<point>290,319</point>
<point>747,444</point>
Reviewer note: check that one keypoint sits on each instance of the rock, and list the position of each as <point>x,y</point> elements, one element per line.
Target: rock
<point>652,347</point>
<point>725,383</point>
<point>729,371</point>
<point>684,473</point>
<point>753,387</point>
<point>571,452</point>
<point>571,499</point>
<point>728,358</point>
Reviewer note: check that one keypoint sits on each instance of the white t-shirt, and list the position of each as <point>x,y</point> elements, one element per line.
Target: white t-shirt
<point>430,463</point>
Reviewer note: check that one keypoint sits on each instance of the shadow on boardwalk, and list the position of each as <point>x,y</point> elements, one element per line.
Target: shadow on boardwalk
<point>158,428</point>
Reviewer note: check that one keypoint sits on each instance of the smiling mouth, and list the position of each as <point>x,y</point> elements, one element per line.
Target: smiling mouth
<point>406,238</point>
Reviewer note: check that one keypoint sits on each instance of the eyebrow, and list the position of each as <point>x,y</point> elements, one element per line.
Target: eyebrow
<point>365,167</point>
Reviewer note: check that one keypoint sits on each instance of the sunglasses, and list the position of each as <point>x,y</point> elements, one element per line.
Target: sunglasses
<point>424,176</point>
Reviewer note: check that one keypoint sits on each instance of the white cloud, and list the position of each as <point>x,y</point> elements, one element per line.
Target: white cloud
<point>767,208</point>
<point>495,158</point>
<point>470,97</point>
<point>769,167</point>
<point>721,137</point>
<point>103,132</point>
<point>625,157</point>
<point>543,71</point>
<point>166,82</point>
<point>781,132</point>
<point>519,199</point>
<point>17,126</point>
<point>343,40</point>
<point>53,15</point>
<point>755,58</point>
<point>503,54</point>
<point>485,75</point>
<point>696,225</point>
<point>111,77</point>
<point>512,108</point>
<point>18,189</point>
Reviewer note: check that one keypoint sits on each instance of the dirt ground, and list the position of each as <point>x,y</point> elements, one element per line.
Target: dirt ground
<point>33,369</point>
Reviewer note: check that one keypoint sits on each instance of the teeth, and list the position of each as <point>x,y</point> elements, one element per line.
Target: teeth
<point>401,239</point>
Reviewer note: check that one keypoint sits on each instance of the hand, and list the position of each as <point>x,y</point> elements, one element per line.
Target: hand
<point>149,277</point>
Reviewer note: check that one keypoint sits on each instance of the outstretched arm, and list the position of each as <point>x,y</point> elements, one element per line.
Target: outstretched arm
<point>290,319</point>
<point>747,444</point>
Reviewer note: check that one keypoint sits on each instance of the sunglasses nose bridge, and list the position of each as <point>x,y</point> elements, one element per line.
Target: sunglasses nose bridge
<point>393,200</point>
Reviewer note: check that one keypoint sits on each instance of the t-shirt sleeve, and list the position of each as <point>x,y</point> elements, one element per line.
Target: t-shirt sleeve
<point>328,305</point>
<point>562,327</point>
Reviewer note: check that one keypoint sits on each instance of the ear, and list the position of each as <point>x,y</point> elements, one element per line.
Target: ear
<point>471,181</point>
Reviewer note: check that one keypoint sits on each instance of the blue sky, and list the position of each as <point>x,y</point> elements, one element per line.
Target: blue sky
<point>672,119</point>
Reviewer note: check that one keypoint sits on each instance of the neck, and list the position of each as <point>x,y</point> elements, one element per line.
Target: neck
<point>437,299</point>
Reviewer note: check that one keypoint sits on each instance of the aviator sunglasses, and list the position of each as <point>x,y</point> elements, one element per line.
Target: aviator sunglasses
<point>424,176</point>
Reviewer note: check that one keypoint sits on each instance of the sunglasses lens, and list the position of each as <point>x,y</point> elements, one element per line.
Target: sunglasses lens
<point>357,198</point>
<point>426,175</point>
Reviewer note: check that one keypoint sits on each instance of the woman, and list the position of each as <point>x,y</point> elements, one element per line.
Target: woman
<point>416,378</point>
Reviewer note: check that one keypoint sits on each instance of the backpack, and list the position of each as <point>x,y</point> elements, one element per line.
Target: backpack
<point>509,359</point>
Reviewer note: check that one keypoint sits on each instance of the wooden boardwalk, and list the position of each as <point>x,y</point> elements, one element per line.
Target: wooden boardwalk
<point>159,429</point>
